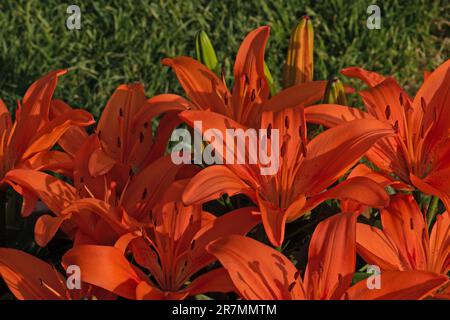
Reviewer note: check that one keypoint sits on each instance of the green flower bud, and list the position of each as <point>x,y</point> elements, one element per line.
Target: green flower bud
<point>205,51</point>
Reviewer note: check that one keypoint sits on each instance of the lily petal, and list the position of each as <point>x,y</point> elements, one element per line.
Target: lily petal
<point>217,280</point>
<point>403,223</point>
<point>274,221</point>
<point>331,115</point>
<point>369,77</point>
<point>332,256</point>
<point>34,112</point>
<point>55,193</point>
<point>146,291</point>
<point>249,75</point>
<point>334,151</point>
<point>211,183</point>
<point>300,94</point>
<point>106,268</point>
<point>46,227</point>
<point>384,180</point>
<point>201,85</point>
<point>56,161</point>
<point>116,123</point>
<point>100,163</point>
<point>383,102</point>
<point>29,278</point>
<point>359,189</point>
<point>440,243</point>
<point>433,97</point>
<point>53,130</point>
<point>258,271</point>
<point>376,248</point>
<point>221,226</point>
<point>399,285</point>
<point>148,186</point>
<point>72,140</point>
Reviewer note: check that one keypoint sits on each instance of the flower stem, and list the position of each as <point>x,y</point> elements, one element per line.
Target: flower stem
<point>432,210</point>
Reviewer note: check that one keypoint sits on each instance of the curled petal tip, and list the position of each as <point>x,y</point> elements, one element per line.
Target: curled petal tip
<point>167,62</point>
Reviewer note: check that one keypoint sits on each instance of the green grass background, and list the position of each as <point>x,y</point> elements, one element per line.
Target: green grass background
<point>124,41</point>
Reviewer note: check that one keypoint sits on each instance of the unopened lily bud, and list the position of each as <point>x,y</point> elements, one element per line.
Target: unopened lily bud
<point>299,65</point>
<point>335,93</point>
<point>269,79</point>
<point>205,51</point>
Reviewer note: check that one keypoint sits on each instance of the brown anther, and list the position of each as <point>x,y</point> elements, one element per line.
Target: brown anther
<point>145,124</point>
<point>141,137</point>
<point>118,142</point>
<point>120,112</point>
<point>401,98</point>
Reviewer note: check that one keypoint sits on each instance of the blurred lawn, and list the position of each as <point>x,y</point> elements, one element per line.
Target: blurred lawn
<point>123,40</point>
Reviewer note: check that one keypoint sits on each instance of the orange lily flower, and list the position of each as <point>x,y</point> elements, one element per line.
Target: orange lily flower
<point>404,243</point>
<point>104,166</point>
<point>250,94</point>
<point>125,129</point>
<point>262,273</point>
<point>306,168</point>
<point>418,154</point>
<point>30,278</point>
<point>94,210</point>
<point>27,142</point>
<point>171,249</point>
